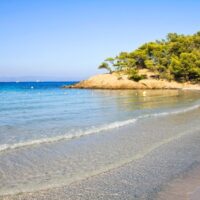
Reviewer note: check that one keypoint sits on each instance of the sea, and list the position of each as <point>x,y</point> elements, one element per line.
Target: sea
<point>51,137</point>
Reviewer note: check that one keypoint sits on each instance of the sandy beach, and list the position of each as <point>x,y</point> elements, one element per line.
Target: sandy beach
<point>99,100</point>
<point>168,169</point>
<point>186,187</point>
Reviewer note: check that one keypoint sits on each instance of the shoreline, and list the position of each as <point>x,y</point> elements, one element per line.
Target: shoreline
<point>186,186</point>
<point>115,81</point>
<point>129,180</point>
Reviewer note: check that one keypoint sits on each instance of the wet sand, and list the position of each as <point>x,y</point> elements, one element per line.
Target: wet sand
<point>186,187</point>
<point>129,182</point>
<point>171,160</point>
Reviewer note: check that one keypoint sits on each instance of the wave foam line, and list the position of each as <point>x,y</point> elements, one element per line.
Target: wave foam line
<point>113,125</point>
<point>91,131</point>
<point>79,177</point>
<point>172,112</point>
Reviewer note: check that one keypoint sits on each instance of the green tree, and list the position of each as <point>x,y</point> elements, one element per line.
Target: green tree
<point>106,66</point>
<point>176,57</point>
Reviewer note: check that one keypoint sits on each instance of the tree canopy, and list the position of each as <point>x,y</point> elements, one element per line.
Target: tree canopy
<point>175,58</point>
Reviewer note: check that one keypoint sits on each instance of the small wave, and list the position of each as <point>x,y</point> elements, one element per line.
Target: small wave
<point>94,130</point>
<point>194,107</point>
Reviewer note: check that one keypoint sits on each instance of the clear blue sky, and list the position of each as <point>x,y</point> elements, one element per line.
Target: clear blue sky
<point>68,39</point>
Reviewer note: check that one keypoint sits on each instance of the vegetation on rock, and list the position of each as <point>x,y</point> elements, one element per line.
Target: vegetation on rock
<point>175,58</point>
<point>106,66</point>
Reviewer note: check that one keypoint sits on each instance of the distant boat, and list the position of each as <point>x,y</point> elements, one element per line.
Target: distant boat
<point>37,81</point>
<point>17,81</point>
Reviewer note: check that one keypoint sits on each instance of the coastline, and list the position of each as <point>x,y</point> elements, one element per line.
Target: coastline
<point>165,159</point>
<point>115,81</point>
<point>100,100</point>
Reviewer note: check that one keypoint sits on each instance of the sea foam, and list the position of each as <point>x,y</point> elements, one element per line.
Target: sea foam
<point>79,134</point>
<point>93,130</point>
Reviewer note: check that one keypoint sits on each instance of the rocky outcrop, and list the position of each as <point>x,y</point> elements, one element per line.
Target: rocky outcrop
<point>116,81</point>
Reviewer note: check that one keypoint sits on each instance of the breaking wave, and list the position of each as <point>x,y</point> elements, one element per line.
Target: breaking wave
<point>94,130</point>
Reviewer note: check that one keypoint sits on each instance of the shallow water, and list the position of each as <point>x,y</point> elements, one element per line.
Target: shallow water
<point>50,137</point>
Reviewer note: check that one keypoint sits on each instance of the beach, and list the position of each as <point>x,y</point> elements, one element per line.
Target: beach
<point>185,187</point>
<point>170,153</point>
<point>152,143</point>
<point>99,100</point>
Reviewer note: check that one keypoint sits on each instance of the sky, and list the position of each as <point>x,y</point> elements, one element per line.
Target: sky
<point>68,39</point>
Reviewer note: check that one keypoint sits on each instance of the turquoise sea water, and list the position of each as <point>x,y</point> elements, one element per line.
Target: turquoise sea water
<point>37,115</point>
<point>33,111</point>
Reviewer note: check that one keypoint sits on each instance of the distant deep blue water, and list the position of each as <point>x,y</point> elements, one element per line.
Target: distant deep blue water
<point>36,114</point>
<point>20,86</point>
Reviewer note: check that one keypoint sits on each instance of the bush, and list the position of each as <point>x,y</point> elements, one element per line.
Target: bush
<point>175,58</point>
<point>133,75</point>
